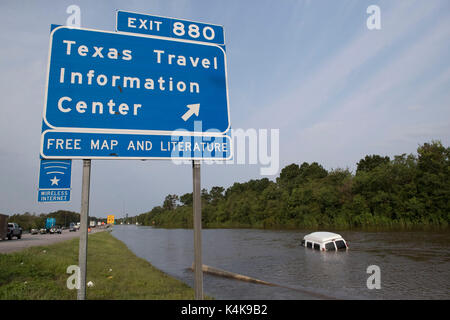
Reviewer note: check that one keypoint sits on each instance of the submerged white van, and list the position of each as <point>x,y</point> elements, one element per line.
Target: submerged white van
<point>324,241</point>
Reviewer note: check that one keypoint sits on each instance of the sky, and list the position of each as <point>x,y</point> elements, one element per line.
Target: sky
<point>334,89</point>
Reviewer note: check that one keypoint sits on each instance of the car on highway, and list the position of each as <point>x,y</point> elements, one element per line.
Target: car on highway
<point>34,231</point>
<point>42,231</point>
<point>55,229</point>
<point>73,227</point>
<point>14,230</point>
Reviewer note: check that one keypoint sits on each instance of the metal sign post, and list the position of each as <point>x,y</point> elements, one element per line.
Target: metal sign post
<point>198,273</point>
<point>84,217</point>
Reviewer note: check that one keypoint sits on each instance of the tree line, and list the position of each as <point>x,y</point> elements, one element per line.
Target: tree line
<point>406,191</point>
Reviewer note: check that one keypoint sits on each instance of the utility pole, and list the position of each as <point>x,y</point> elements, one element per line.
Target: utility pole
<point>84,218</point>
<point>198,272</point>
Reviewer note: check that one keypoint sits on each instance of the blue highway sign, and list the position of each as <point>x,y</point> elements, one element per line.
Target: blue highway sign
<point>54,180</point>
<point>169,27</point>
<point>121,83</point>
<point>179,145</point>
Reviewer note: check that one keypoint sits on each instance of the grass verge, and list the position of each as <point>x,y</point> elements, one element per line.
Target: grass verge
<point>117,274</point>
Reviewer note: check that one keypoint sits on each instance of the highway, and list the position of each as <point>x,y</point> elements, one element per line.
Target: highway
<point>32,240</point>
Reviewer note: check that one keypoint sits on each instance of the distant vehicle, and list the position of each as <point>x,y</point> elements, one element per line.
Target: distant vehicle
<point>43,231</point>
<point>55,229</point>
<point>34,231</point>
<point>14,231</point>
<point>3,226</point>
<point>73,227</point>
<point>324,241</point>
<point>92,224</point>
<point>49,223</point>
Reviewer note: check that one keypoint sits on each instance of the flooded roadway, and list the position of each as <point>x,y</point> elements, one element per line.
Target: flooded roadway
<point>414,265</point>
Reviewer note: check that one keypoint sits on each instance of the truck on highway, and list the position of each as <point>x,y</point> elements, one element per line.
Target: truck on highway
<point>49,223</point>
<point>14,230</point>
<point>92,224</point>
<point>3,226</point>
<point>73,227</point>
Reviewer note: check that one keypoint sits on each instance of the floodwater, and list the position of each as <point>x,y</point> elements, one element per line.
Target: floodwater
<point>413,265</point>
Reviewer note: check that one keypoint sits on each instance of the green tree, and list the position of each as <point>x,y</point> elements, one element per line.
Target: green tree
<point>409,190</point>
<point>170,202</point>
<point>288,176</point>
<point>186,199</point>
<point>371,162</point>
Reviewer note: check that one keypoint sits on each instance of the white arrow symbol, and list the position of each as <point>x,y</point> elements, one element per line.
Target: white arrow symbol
<point>193,108</point>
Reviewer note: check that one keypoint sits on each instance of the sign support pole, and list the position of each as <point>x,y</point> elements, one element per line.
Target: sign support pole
<point>84,217</point>
<point>198,273</point>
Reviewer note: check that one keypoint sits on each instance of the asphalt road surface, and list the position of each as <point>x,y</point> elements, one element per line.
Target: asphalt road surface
<point>31,240</point>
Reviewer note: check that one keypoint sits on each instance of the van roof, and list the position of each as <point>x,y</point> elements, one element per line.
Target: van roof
<point>322,236</point>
